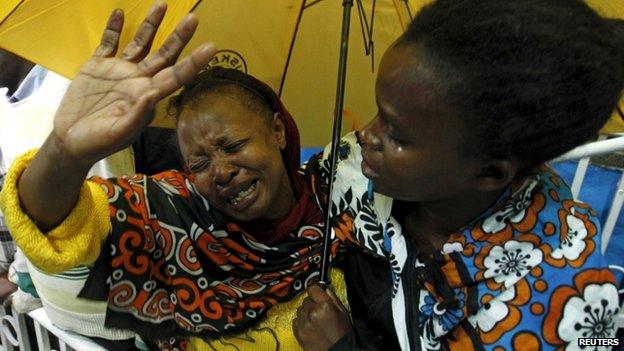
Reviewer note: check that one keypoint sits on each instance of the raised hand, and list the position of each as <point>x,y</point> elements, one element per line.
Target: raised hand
<point>104,109</point>
<point>106,106</point>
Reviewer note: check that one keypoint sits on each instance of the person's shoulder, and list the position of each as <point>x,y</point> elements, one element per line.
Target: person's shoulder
<point>558,199</point>
<point>549,179</point>
<point>568,229</point>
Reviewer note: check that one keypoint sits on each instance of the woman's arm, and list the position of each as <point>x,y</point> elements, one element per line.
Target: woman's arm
<point>105,109</point>
<point>49,187</point>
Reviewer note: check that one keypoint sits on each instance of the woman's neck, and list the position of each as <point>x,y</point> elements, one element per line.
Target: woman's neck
<point>431,223</point>
<point>285,204</point>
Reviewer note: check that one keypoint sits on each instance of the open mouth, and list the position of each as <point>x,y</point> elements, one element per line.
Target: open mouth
<point>244,197</point>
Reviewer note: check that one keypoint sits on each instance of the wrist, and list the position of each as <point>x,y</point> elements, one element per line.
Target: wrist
<point>53,149</point>
<point>346,342</point>
<point>49,186</point>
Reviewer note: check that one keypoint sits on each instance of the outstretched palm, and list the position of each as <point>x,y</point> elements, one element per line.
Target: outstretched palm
<point>107,105</point>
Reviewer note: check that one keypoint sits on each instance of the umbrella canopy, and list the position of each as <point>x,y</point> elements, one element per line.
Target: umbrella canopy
<point>310,85</point>
<point>293,45</point>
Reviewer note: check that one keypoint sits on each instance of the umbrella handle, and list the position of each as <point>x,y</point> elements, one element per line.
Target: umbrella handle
<point>342,71</point>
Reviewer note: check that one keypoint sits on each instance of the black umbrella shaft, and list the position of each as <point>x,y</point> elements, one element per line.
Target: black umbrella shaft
<point>342,71</point>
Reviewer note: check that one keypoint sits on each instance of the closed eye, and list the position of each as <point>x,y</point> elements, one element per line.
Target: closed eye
<point>396,140</point>
<point>390,131</point>
<point>199,165</point>
<point>235,147</point>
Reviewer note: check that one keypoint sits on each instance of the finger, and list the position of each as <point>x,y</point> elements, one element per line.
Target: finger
<point>170,79</point>
<point>110,37</point>
<point>298,327</point>
<point>317,294</point>
<point>335,300</point>
<point>170,50</point>
<point>140,46</point>
<point>297,324</point>
<point>305,308</point>
<point>136,119</point>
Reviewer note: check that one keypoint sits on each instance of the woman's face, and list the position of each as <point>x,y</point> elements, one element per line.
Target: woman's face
<point>234,155</point>
<point>412,149</point>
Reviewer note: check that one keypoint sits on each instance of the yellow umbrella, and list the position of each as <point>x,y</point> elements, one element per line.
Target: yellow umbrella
<point>310,86</point>
<point>253,35</point>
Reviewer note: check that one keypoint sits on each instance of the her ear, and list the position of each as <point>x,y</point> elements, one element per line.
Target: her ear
<point>279,130</point>
<point>496,174</point>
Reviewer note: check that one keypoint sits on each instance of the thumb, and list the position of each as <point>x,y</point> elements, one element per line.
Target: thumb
<point>129,124</point>
<point>148,100</point>
<point>140,111</point>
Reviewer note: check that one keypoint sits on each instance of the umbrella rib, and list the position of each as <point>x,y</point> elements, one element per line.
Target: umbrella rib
<point>398,12</point>
<point>363,25</point>
<point>195,6</point>
<point>367,30</point>
<point>292,46</point>
<point>10,13</point>
<point>370,36</point>
<point>312,3</point>
<point>39,14</point>
<point>619,110</point>
<point>409,11</point>
<point>372,24</point>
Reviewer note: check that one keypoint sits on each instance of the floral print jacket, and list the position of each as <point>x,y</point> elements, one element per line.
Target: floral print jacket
<point>527,274</point>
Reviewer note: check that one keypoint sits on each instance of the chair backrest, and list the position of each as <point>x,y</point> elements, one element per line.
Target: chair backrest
<point>584,152</point>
